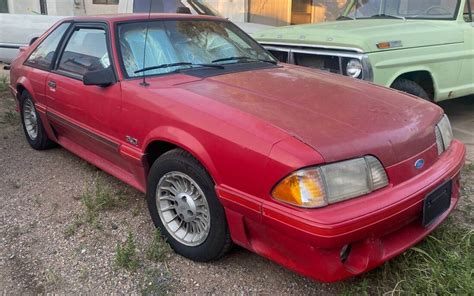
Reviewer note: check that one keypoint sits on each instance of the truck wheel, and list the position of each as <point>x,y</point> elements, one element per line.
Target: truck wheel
<point>32,125</point>
<point>183,204</point>
<point>410,87</point>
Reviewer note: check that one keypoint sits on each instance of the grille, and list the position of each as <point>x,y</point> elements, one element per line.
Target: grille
<point>327,63</point>
<point>334,61</point>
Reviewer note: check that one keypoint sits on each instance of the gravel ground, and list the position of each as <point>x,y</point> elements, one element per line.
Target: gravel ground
<point>42,250</point>
<point>40,200</point>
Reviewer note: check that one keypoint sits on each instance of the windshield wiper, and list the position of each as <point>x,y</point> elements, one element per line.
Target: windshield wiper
<point>162,66</point>
<point>244,59</point>
<point>383,15</point>
<point>344,17</point>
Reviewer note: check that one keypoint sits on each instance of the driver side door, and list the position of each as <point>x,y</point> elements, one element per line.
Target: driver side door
<point>85,118</point>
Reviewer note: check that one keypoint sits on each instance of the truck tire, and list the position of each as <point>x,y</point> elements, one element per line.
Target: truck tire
<point>410,87</point>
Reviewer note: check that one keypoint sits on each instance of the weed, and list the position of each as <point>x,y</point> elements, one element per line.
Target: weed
<point>136,211</point>
<point>73,227</point>
<point>469,167</point>
<point>3,83</point>
<point>441,265</point>
<point>52,278</point>
<point>126,254</point>
<point>156,283</point>
<point>83,274</point>
<point>101,198</point>
<point>11,118</point>
<point>158,248</point>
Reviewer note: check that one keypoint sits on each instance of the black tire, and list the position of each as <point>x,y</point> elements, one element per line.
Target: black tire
<point>218,240</point>
<point>41,141</point>
<point>410,87</point>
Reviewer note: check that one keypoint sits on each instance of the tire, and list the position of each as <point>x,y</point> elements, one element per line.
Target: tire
<point>410,87</point>
<point>187,232</point>
<point>36,136</point>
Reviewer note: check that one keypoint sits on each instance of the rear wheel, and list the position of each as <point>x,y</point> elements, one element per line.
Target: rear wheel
<point>32,125</point>
<point>410,87</point>
<point>184,206</point>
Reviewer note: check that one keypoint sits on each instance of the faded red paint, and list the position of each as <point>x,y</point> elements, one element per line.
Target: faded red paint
<point>250,130</point>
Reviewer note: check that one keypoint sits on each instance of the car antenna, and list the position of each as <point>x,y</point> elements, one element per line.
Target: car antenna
<point>144,83</point>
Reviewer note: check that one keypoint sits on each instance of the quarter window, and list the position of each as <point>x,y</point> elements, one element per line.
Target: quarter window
<point>42,56</point>
<point>85,51</point>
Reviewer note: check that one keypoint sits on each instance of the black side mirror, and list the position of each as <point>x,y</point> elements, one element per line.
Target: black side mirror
<point>103,77</point>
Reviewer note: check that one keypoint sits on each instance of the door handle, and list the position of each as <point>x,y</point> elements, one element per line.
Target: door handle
<point>52,84</point>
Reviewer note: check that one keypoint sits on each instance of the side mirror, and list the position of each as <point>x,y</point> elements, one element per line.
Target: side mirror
<point>103,77</point>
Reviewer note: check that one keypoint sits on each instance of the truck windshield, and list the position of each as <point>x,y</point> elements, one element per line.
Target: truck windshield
<point>401,9</point>
<point>200,7</point>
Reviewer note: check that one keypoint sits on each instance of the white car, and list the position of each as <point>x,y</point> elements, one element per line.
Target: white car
<point>19,30</point>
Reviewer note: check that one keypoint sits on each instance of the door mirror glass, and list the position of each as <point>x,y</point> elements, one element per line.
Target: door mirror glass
<point>102,77</point>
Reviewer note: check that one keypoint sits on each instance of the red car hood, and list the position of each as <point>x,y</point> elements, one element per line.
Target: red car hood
<point>339,117</point>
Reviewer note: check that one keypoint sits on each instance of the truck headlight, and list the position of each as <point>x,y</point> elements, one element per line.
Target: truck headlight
<point>327,184</point>
<point>444,134</point>
<point>354,68</point>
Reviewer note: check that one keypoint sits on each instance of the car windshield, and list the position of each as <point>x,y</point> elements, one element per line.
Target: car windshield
<point>174,45</point>
<point>198,7</point>
<point>401,9</point>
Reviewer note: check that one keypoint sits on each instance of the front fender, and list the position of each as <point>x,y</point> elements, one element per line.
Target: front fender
<point>186,141</point>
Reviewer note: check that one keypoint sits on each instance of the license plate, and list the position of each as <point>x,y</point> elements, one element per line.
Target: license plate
<point>436,203</point>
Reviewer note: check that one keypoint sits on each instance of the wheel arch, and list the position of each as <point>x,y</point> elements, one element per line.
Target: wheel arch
<point>23,84</point>
<point>166,138</point>
<point>422,77</point>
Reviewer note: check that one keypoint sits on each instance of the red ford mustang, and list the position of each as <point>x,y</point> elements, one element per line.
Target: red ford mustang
<point>325,175</point>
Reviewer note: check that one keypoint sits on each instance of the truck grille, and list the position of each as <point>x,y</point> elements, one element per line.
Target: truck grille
<point>333,61</point>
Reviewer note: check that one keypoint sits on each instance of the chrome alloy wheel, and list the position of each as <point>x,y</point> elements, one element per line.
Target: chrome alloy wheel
<point>183,208</point>
<point>30,119</point>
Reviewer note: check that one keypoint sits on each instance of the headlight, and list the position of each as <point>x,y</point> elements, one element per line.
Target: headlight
<point>319,186</point>
<point>444,134</point>
<point>354,68</point>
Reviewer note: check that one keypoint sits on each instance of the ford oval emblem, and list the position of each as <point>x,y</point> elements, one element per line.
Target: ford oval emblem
<point>420,163</point>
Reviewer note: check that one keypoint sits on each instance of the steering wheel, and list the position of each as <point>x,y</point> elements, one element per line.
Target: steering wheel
<point>442,9</point>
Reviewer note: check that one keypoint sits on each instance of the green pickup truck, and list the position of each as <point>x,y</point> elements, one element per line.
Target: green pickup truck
<point>422,47</point>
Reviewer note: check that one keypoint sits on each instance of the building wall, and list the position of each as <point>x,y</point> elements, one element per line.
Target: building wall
<point>94,9</point>
<point>268,12</point>
<point>235,10</point>
<point>24,6</point>
<point>272,13</point>
<point>283,12</point>
<point>61,7</point>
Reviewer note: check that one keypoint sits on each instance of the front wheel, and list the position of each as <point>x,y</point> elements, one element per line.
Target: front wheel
<point>410,87</point>
<point>184,206</point>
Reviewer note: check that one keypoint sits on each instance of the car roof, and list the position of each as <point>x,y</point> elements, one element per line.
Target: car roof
<point>114,18</point>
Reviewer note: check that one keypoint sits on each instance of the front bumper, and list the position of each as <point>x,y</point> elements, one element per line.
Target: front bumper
<point>299,240</point>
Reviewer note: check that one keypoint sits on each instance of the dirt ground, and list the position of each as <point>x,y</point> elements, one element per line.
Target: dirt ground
<point>43,250</point>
